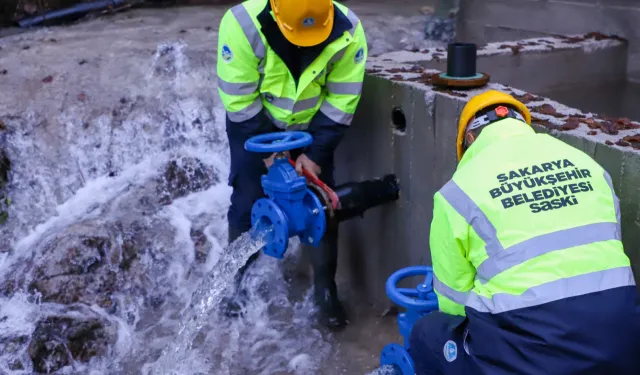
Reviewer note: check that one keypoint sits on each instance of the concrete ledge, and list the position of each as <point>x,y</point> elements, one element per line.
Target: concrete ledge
<point>542,64</point>
<point>484,21</point>
<point>423,156</point>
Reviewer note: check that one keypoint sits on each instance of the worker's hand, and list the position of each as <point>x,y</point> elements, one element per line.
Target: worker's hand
<point>304,162</point>
<point>269,161</point>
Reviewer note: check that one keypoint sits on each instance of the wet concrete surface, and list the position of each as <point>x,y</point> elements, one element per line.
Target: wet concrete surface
<point>616,99</point>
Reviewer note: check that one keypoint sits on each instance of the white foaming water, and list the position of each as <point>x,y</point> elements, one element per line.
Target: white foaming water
<point>385,370</point>
<point>206,298</point>
<point>117,235</point>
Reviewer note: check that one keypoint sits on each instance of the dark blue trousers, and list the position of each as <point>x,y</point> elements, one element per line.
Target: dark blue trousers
<point>246,170</point>
<point>591,334</point>
<point>437,345</point>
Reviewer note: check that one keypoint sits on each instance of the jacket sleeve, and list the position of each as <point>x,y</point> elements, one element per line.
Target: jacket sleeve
<point>343,88</point>
<point>453,273</point>
<point>238,78</point>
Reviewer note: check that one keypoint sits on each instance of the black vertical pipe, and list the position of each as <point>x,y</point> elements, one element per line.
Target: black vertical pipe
<point>461,60</point>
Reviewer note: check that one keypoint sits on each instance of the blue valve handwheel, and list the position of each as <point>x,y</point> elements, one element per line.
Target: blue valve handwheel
<point>278,141</point>
<point>421,298</point>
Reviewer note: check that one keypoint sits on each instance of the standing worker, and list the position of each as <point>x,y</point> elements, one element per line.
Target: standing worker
<point>290,65</point>
<point>529,268</point>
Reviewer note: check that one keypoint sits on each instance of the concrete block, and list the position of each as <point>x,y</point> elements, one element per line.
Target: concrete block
<point>535,15</point>
<point>624,22</point>
<point>496,33</point>
<point>539,72</point>
<point>371,148</point>
<point>621,3</point>
<point>610,158</point>
<point>585,145</point>
<point>501,17</point>
<point>588,74</point>
<point>629,194</point>
<point>581,2</point>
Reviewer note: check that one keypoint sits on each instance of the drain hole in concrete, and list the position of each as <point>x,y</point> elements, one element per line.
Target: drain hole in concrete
<point>398,119</point>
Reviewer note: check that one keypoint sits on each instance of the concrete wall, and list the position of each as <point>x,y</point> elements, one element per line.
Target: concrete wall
<point>423,157</point>
<point>483,21</point>
<point>396,235</point>
<point>586,72</point>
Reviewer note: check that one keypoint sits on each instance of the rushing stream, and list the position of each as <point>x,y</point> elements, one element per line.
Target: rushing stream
<point>114,257</point>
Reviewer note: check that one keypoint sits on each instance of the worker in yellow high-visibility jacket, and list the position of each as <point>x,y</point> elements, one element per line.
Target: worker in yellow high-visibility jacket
<point>290,65</point>
<point>529,268</point>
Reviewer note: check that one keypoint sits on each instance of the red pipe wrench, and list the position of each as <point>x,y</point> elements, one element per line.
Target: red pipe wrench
<point>330,193</point>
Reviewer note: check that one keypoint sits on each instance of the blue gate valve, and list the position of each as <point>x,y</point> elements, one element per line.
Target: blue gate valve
<point>418,302</point>
<point>291,208</point>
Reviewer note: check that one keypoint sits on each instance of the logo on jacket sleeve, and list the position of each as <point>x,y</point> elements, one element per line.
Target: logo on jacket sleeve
<point>227,55</point>
<point>359,57</point>
<point>450,351</point>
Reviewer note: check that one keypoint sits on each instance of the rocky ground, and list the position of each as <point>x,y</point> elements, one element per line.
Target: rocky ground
<point>113,167</point>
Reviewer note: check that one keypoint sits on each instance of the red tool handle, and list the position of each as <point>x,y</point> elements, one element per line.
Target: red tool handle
<point>332,194</point>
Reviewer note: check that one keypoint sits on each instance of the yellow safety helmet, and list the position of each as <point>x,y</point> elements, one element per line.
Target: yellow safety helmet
<point>480,102</point>
<point>304,23</point>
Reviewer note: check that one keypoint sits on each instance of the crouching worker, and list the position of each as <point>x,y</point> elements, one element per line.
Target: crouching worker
<point>289,65</point>
<point>529,270</point>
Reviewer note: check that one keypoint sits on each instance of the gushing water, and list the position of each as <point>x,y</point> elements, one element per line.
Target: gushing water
<point>207,297</point>
<point>385,370</point>
<point>114,257</point>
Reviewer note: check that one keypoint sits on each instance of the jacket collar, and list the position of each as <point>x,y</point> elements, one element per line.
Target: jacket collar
<point>493,134</point>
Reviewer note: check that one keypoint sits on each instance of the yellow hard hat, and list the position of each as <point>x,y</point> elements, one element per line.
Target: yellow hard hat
<point>304,23</point>
<point>480,102</point>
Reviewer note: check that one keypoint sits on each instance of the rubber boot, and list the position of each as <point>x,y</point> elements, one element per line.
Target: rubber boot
<point>232,305</point>
<point>324,260</point>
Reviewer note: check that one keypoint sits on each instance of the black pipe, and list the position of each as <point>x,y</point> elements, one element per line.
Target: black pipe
<point>461,60</point>
<point>78,8</point>
<point>358,197</point>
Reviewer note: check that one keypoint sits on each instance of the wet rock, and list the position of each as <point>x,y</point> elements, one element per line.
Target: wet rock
<point>201,244</point>
<point>184,176</point>
<point>13,346</point>
<point>76,269</point>
<point>58,340</point>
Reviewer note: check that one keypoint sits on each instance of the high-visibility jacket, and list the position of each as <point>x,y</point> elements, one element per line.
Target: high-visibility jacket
<point>259,71</point>
<point>526,242</point>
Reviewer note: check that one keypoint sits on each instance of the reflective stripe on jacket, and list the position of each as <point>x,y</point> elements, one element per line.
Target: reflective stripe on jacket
<point>525,241</point>
<point>252,77</point>
<point>525,220</point>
